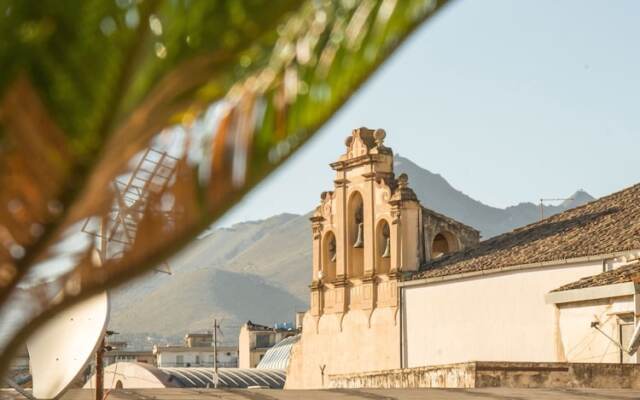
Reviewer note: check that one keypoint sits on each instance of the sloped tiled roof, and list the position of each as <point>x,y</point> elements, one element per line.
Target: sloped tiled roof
<point>628,273</point>
<point>608,225</point>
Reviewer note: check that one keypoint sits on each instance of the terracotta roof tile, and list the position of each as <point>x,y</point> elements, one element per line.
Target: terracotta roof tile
<point>607,225</point>
<point>628,273</point>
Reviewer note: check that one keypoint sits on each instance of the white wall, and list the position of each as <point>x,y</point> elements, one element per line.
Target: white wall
<point>585,344</point>
<point>168,358</point>
<point>354,343</point>
<point>496,317</point>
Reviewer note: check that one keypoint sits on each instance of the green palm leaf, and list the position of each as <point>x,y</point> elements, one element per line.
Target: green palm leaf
<point>225,91</point>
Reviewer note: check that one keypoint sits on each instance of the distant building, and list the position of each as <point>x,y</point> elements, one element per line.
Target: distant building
<point>198,339</point>
<point>120,351</point>
<point>254,341</point>
<point>197,351</point>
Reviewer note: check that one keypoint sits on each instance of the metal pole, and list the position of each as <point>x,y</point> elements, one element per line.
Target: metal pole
<point>100,370</point>
<point>13,384</point>
<point>215,353</point>
<point>541,210</point>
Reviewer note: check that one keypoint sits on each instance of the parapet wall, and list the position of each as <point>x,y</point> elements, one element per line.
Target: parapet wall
<point>498,374</point>
<point>441,376</point>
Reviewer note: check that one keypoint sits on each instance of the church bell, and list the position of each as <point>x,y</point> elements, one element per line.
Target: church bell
<point>332,249</point>
<point>387,250</point>
<point>359,242</point>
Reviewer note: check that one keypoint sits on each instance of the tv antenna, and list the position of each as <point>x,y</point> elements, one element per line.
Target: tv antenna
<point>61,348</point>
<point>117,231</point>
<point>542,201</point>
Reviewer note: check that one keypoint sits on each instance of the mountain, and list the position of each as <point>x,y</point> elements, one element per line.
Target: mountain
<point>437,194</point>
<point>260,270</point>
<point>193,299</point>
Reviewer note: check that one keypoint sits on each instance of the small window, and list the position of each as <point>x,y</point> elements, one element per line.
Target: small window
<point>197,359</point>
<point>179,361</point>
<point>262,340</point>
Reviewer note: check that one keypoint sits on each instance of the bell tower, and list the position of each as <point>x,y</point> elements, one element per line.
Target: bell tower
<point>365,232</point>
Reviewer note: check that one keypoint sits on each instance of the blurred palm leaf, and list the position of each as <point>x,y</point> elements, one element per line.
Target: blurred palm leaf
<point>210,96</point>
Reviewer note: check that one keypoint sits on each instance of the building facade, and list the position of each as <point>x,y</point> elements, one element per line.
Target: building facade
<point>255,340</point>
<point>396,285</point>
<point>367,232</point>
<point>197,351</point>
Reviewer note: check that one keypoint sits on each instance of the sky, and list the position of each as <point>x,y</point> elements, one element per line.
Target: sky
<point>510,101</point>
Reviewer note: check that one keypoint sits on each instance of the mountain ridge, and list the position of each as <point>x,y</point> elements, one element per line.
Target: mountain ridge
<point>260,270</point>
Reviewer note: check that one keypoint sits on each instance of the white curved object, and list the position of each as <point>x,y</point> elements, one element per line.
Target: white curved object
<point>61,348</point>
<point>127,375</point>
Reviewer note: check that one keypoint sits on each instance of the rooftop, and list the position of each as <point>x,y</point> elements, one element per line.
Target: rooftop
<point>627,273</point>
<point>608,225</point>
<point>203,349</point>
<point>257,327</point>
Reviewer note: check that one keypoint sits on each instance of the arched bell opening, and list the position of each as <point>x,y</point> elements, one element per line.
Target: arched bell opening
<point>383,247</point>
<point>443,243</point>
<point>329,256</point>
<point>355,244</point>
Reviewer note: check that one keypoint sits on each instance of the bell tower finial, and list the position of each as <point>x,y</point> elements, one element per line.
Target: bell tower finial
<point>379,136</point>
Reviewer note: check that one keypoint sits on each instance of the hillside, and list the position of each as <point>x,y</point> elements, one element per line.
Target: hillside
<point>436,193</point>
<point>260,270</point>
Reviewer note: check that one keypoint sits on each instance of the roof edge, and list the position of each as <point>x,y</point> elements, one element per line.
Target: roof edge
<point>492,271</point>
<point>592,293</point>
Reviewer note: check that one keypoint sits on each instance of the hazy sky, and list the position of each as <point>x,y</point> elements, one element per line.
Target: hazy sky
<point>509,101</point>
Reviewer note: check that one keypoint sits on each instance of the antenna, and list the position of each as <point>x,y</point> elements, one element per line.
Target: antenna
<point>214,343</point>
<point>117,232</point>
<point>62,347</point>
<point>542,201</point>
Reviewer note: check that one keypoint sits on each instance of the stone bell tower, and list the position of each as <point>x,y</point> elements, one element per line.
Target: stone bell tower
<point>365,231</point>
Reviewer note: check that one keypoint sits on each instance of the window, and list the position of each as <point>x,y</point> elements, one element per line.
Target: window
<point>179,361</point>
<point>197,359</point>
<point>262,340</point>
<point>443,243</point>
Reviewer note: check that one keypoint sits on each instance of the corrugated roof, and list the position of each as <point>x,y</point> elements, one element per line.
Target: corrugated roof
<point>227,377</point>
<point>610,224</point>
<point>279,355</point>
<point>627,273</point>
